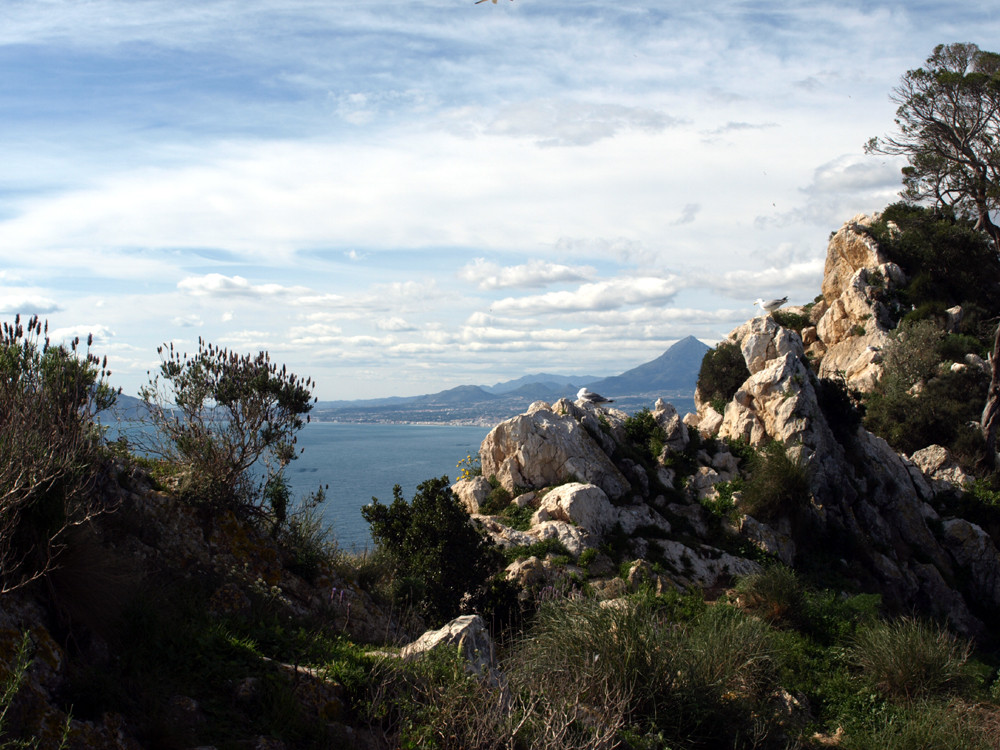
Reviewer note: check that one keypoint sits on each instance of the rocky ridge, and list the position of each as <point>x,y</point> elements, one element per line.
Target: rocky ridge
<point>870,517</point>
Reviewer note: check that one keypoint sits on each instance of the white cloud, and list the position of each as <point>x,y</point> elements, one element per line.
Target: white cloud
<point>534,273</point>
<point>394,323</point>
<point>188,321</point>
<point>17,302</point>
<point>218,285</point>
<point>602,295</point>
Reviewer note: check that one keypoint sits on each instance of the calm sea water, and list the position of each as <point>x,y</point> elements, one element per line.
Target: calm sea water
<point>360,461</point>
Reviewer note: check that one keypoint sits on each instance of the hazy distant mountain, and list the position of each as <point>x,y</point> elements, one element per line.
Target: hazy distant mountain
<point>675,369</point>
<point>673,375</point>
<point>545,379</point>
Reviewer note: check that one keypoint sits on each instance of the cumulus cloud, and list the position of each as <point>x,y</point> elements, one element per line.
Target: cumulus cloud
<point>602,295</point>
<point>16,302</point>
<point>217,285</point>
<point>101,334</point>
<point>534,273</point>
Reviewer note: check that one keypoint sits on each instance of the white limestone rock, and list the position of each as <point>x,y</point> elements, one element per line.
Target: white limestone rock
<point>542,448</point>
<point>472,492</point>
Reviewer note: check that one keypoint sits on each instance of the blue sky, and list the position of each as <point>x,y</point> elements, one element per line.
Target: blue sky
<point>400,197</point>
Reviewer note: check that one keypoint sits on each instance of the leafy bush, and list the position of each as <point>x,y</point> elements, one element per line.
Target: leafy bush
<point>924,725</point>
<point>50,446</point>
<point>723,371</point>
<point>947,260</point>
<point>794,321</point>
<point>909,659</point>
<point>431,541</point>
<point>645,433</point>
<point>777,485</point>
<point>232,420</point>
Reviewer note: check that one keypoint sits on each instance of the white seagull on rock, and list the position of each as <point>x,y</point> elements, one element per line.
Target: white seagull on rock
<point>770,305</point>
<point>594,398</point>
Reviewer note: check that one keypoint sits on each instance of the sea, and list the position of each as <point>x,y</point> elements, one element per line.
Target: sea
<point>356,462</point>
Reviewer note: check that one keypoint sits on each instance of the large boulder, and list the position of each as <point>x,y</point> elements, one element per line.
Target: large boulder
<point>542,448</point>
<point>583,505</point>
<point>469,635</point>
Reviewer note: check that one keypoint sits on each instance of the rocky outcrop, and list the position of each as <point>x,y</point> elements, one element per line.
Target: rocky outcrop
<point>551,445</point>
<point>852,324</point>
<point>865,497</point>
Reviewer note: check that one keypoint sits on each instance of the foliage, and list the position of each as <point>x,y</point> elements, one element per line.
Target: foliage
<point>644,432</point>
<point>947,261</point>
<point>50,446</point>
<point>948,122</point>
<point>232,420</point>
<point>787,319</point>
<point>432,541</point>
<point>910,659</point>
<point>723,371</point>
<point>916,405</point>
<point>498,499</point>
<point>777,485</point>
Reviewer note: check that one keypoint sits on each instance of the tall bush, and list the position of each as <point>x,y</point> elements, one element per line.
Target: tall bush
<point>232,419</point>
<point>436,555</point>
<point>49,446</point>
<point>723,371</point>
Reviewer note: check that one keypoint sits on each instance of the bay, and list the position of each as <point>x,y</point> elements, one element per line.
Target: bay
<point>360,461</point>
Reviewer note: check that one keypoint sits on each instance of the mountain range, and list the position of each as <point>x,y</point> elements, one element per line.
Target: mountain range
<point>672,376</point>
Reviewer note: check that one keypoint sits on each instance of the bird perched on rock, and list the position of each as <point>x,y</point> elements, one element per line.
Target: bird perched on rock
<point>593,398</point>
<point>770,305</point>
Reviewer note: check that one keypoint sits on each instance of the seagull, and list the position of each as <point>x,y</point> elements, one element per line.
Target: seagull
<point>592,398</point>
<point>770,305</point>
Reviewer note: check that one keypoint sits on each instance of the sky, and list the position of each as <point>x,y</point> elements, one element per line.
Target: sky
<point>394,198</point>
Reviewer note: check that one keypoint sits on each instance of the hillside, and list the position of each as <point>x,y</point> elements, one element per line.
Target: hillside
<point>772,575</point>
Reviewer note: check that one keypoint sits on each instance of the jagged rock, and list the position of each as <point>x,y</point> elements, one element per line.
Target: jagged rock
<point>575,539</point>
<point>634,517</point>
<point>769,540</point>
<point>702,566</point>
<point>472,492</point>
<point>469,635</point>
<point>853,325</point>
<point>502,534</point>
<point>669,420</point>
<point>974,551</point>
<point>543,448</point>
<point>941,468</point>
<point>702,483</point>
<point>694,514</point>
<point>583,505</point>
<point>849,249</point>
<point>527,573</point>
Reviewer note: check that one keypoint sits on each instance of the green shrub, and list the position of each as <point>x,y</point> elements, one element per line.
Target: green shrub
<point>645,433</point>
<point>50,447</point>
<point>947,260</point>
<point>431,540</point>
<point>498,499</point>
<point>232,420</point>
<point>794,321</point>
<point>723,371</point>
<point>910,659</point>
<point>777,485</point>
